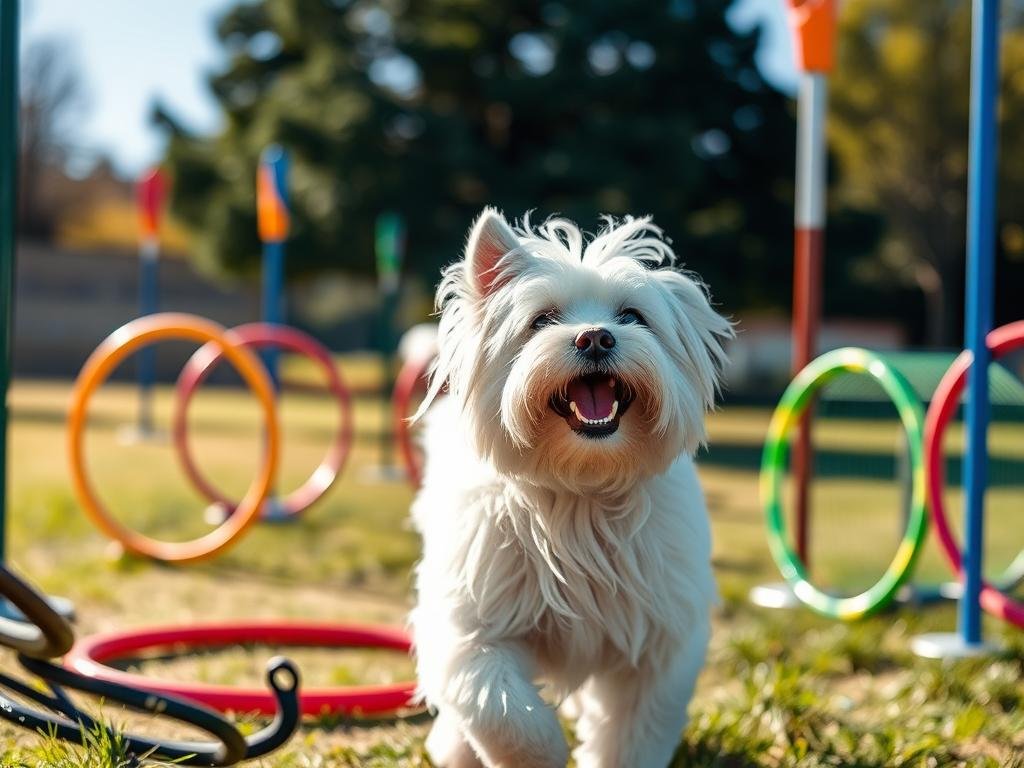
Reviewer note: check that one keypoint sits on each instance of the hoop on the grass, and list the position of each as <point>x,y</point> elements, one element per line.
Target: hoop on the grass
<point>795,401</point>
<point>410,380</point>
<point>259,336</point>
<point>97,369</point>
<point>1000,342</point>
<point>90,656</point>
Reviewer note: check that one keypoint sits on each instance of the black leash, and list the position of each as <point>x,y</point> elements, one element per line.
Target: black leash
<point>47,635</point>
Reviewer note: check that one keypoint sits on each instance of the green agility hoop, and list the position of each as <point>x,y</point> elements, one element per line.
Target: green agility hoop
<point>795,401</point>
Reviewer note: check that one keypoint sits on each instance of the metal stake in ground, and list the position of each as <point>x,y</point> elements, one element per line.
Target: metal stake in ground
<point>8,218</point>
<point>813,23</point>
<point>981,220</point>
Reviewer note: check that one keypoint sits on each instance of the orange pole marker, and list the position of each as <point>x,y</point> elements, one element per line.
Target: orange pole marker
<point>814,33</point>
<point>271,211</point>
<point>97,369</point>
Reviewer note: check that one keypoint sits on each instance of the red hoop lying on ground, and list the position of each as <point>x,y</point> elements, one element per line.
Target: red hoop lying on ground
<point>944,404</point>
<point>90,655</point>
<point>411,379</point>
<point>261,335</point>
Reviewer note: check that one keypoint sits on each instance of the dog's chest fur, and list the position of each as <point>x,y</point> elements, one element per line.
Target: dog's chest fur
<point>586,581</point>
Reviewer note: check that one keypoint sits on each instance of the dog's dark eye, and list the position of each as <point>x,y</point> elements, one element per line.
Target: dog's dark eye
<point>631,317</point>
<point>543,320</point>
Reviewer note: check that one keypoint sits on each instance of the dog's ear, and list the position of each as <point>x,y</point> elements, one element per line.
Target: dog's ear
<point>490,240</point>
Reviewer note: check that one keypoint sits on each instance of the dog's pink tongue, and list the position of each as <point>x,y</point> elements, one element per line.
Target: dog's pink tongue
<point>593,397</point>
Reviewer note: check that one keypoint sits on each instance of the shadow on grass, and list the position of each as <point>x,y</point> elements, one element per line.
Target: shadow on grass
<point>354,723</point>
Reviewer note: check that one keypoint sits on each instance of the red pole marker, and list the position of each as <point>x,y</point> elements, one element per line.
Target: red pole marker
<point>150,196</point>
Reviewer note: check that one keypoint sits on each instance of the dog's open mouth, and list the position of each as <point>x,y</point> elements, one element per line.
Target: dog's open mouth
<point>593,404</point>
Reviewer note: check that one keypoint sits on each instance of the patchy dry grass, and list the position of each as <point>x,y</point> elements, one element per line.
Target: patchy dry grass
<point>779,690</point>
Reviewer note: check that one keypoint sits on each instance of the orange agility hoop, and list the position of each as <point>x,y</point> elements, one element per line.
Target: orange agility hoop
<point>97,369</point>
<point>814,32</point>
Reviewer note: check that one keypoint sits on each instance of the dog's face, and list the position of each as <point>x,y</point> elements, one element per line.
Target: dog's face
<point>583,366</point>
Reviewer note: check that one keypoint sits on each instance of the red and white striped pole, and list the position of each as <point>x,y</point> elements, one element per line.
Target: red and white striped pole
<point>813,23</point>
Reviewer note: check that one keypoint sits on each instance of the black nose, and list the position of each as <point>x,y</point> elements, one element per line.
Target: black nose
<point>595,343</point>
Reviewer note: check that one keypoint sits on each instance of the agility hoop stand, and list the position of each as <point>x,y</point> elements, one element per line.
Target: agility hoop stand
<point>981,219</point>
<point>389,247</point>
<point>150,198</point>
<point>274,224</point>
<point>8,225</point>
<point>813,25</point>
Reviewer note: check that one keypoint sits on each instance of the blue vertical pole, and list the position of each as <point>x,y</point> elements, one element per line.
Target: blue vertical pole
<point>273,299</point>
<point>981,220</point>
<point>272,209</point>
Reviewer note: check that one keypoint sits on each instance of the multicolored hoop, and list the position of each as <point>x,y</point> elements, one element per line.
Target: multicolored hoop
<point>795,401</point>
<point>98,368</point>
<point>1000,342</point>
<point>259,336</point>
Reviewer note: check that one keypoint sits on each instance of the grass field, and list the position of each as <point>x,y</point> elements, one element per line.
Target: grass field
<point>780,689</point>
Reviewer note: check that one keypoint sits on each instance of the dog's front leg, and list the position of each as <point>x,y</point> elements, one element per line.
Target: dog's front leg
<point>634,716</point>
<point>491,695</point>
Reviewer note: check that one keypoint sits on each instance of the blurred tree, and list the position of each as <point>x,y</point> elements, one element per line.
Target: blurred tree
<point>52,100</point>
<point>434,108</point>
<point>899,128</point>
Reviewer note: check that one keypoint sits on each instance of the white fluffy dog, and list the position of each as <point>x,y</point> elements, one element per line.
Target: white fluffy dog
<point>565,538</point>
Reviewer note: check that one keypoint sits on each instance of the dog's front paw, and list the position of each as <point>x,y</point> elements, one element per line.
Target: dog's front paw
<point>447,746</point>
<point>530,740</point>
<point>511,727</point>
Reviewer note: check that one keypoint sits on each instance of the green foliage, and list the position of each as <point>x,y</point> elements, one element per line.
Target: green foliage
<point>899,128</point>
<point>434,108</point>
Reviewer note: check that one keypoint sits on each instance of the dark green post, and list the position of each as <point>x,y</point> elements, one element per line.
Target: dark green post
<point>8,222</point>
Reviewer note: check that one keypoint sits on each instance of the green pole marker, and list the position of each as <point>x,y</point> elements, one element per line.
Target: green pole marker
<point>389,248</point>
<point>795,401</point>
<point>8,223</point>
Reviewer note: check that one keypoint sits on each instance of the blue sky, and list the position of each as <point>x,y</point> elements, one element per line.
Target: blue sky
<point>132,52</point>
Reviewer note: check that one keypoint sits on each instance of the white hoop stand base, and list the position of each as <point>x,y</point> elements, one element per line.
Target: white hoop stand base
<point>780,595</point>
<point>777,595</point>
<point>272,511</point>
<point>950,646</point>
<point>132,434</point>
<point>384,473</point>
<point>917,595</point>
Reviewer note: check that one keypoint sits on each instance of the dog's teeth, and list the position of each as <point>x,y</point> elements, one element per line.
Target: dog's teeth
<point>594,422</point>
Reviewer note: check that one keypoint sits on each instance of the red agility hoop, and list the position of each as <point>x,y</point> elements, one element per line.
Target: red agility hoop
<point>411,379</point>
<point>944,404</point>
<point>261,335</point>
<point>90,656</point>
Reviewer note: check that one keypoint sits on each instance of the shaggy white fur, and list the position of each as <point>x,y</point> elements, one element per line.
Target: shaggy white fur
<point>556,552</point>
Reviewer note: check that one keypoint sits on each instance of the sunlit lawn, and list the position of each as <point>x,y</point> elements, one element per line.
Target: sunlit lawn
<point>780,688</point>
